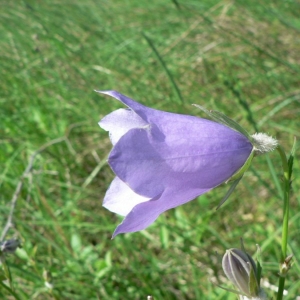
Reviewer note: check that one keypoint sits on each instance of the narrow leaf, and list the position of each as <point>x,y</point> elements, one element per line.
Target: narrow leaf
<point>229,192</point>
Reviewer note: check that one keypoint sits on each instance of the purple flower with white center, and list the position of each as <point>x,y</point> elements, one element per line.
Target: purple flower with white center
<point>163,160</point>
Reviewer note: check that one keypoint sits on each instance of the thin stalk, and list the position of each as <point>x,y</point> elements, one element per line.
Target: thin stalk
<point>285,221</point>
<point>176,88</point>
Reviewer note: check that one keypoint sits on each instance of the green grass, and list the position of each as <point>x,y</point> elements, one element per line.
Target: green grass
<point>241,58</point>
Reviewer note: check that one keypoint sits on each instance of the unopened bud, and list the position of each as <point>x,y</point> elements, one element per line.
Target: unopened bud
<point>9,246</point>
<point>286,265</point>
<point>240,269</point>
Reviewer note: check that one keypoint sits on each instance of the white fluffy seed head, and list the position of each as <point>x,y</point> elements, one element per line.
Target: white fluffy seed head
<point>263,143</point>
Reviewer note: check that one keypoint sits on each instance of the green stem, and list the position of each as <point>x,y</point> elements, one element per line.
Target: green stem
<point>285,222</point>
<point>176,88</point>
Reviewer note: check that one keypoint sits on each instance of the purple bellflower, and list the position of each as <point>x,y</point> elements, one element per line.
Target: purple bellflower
<point>163,160</point>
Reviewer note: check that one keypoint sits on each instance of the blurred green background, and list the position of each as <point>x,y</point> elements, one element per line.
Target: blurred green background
<point>238,57</point>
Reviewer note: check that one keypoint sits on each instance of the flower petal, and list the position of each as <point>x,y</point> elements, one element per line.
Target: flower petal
<point>119,122</point>
<point>139,109</point>
<point>120,199</point>
<point>150,161</point>
<point>144,214</point>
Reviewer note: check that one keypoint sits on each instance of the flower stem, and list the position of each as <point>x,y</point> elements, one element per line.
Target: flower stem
<point>287,172</point>
<point>286,197</point>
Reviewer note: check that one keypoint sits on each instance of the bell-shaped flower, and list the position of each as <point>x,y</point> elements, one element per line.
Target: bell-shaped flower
<point>163,160</point>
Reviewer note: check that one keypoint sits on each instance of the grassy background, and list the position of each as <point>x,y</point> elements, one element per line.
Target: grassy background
<point>241,58</point>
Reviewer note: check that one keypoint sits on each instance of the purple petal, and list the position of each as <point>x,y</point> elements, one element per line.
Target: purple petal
<point>120,199</point>
<point>199,154</point>
<point>144,214</point>
<point>138,108</point>
<point>119,122</point>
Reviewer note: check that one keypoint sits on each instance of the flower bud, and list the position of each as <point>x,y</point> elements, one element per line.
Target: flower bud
<point>240,269</point>
<point>9,246</point>
<point>286,265</point>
